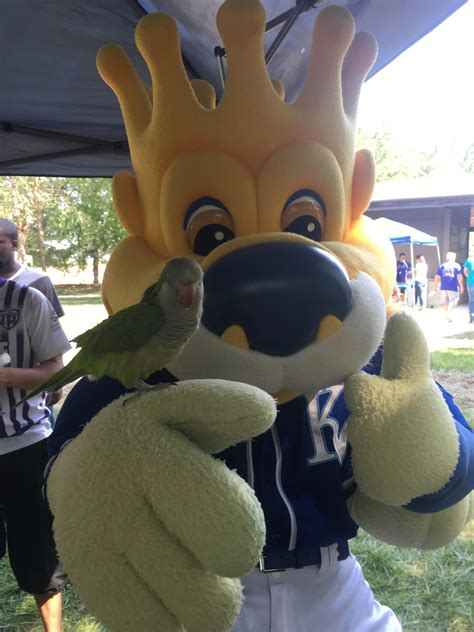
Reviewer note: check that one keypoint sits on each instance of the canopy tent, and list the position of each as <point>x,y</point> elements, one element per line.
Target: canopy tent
<point>399,233</point>
<point>57,117</point>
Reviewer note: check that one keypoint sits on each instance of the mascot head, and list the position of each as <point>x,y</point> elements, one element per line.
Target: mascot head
<point>267,195</point>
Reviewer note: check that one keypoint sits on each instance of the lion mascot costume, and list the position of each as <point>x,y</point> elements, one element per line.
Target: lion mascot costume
<point>227,502</point>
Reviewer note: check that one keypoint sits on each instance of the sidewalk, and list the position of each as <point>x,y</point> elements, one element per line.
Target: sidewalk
<point>442,334</point>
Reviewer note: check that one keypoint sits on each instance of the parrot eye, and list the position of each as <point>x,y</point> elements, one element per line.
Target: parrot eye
<point>304,214</point>
<point>207,224</point>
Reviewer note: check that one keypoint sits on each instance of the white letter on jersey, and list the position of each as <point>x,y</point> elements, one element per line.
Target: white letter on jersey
<point>318,419</point>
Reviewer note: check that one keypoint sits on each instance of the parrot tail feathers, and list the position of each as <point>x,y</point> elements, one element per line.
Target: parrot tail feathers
<point>55,382</point>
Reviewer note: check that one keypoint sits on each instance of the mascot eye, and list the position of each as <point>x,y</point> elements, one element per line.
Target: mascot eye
<point>304,214</point>
<point>208,224</point>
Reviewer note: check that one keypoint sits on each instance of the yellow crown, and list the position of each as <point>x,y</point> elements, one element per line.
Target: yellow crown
<point>252,119</point>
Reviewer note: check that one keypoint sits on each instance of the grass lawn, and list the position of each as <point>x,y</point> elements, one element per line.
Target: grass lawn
<point>431,591</point>
<point>455,360</point>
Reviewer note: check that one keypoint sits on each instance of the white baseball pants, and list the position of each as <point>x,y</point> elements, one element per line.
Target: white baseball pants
<point>333,597</point>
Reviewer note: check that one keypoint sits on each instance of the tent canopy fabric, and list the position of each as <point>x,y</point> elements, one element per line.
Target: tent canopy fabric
<point>399,233</point>
<point>57,117</point>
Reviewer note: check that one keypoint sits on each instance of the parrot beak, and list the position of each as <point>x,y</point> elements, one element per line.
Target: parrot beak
<point>186,294</point>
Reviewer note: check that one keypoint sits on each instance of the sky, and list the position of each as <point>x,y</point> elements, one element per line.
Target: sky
<point>425,97</point>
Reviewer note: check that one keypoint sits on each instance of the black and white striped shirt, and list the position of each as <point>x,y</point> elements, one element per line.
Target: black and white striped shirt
<point>30,333</point>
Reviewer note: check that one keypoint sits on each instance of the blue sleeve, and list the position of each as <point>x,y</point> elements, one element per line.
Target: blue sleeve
<point>462,480</point>
<point>85,400</point>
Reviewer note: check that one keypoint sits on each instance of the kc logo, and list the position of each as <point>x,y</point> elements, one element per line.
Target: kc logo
<point>9,318</point>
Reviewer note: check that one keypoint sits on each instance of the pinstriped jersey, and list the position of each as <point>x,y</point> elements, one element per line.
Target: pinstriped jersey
<point>41,282</point>
<point>30,333</point>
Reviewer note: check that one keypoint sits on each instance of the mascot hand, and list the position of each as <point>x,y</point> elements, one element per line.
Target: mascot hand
<point>404,441</point>
<point>151,528</point>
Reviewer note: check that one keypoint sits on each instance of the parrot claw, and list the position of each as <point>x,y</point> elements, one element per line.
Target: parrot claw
<point>143,387</point>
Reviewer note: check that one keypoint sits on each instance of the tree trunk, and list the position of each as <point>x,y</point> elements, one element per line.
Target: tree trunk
<point>39,223</point>
<point>21,250</point>
<point>95,268</point>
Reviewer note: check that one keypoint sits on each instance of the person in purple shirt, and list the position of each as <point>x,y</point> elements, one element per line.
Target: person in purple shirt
<point>449,280</point>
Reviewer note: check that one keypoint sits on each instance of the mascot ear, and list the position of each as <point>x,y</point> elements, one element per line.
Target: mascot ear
<point>127,202</point>
<point>363,181</point>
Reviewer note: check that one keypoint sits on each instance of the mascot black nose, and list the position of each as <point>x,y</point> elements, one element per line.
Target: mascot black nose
<point>278,292</point>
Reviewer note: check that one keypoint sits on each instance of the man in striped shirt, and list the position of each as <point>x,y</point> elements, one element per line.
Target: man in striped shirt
<point>31,346</point>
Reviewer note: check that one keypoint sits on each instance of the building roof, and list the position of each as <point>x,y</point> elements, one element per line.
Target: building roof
<point>436,190</point>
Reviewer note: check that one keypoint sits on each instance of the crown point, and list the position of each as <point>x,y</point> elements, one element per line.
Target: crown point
<point>157,39</point>
<point>111,60</point>
<point>118,72</point>
<point>155,34</point>
<point>334,29</point>
<point>237,20</point>
<point>357,63</point>
<point>333,32</point>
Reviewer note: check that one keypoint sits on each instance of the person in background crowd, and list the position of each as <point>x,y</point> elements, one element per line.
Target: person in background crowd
<point>32,343</point>
<point>403,271</point>
<point>21,274</point>
<point>469,274</point>
<point>421,279</point>
<point>449,279</point>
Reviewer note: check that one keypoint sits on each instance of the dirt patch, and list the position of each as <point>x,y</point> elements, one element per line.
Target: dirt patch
<point>461,387</point>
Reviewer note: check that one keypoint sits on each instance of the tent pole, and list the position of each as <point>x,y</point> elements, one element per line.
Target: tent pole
<point>412,276</point>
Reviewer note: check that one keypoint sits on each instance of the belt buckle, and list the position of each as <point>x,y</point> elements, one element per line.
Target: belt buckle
<point>268,570</point>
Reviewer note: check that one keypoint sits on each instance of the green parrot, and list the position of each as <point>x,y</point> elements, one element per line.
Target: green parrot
<point>140,339</point>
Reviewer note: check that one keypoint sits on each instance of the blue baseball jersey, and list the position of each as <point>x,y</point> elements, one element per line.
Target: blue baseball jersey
<point>449,276</point>
<point>403,268</point>
<point>300,468</point>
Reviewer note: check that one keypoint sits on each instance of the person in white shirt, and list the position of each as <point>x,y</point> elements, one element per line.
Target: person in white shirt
<point>31,346</point>
<point>421,279</point>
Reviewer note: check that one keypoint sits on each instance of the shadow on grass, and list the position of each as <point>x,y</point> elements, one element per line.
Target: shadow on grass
<point>465,335</point>
<point>18,611</point>
<point>460,360</point>
<point>428,590</point>
<point>81,300</point>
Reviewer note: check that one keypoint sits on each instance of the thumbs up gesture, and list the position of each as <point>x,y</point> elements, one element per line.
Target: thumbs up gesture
<point>404,441</point>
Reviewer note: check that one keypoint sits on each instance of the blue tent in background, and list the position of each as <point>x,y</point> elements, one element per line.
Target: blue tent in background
<point>399,233</point>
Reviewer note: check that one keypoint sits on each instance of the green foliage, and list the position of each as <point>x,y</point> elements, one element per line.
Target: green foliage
<point>468,161</point>
<point>83,225</point>
<point>428,590</point>
<point>390,162</point>
<point>24,201</point>
<point>62,221</point>
<point>456,359</point>
<point>18,611</point>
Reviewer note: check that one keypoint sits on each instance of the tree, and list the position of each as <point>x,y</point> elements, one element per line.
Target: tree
<point>83,225</point>
<point>61,221</point>
<point>390,162</point>
<point>23,200</point>
<point>468,161</point>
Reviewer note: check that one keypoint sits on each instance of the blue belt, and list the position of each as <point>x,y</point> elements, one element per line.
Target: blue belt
<point>274,562</point>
